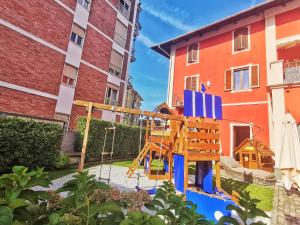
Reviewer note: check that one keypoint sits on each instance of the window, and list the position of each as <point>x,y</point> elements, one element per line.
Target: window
<point>124,8</point>
<point>241,39</point>
<point>115,65</point>
<point>191,83</point>
<point>193,53</point>
<point>120,34</point>
<point>111,97</point>
<point>69,75</point>
<point>241,78</point>
<point>253,157</point>
<point>84,3</point>
<point>77,35</point>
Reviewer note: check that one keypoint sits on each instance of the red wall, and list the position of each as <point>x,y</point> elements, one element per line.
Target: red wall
<point>292,100</point>
<point>216,57</point>
<point>288,23</point>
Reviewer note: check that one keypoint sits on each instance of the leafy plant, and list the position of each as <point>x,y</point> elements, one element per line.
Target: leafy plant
<point>247,210</point>
<point>62,161</point>
<point>80,204</point>
<point>142,218</point>
<point>20,204</point>
<point>173,208</point>
<point>28,143</point>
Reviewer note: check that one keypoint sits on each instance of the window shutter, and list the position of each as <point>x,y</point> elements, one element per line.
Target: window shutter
<point>228,80</point>
<point>255,76</point>
<point>244,38</point>
<point>78,30</point>
<point>70,71</point>
<point>236,40</point>
<point>190,55</point>
<point>194,83</point>
<point>116,59</point>
<point>188,83</point>
<point>193,53</point>
<point>121,30</point>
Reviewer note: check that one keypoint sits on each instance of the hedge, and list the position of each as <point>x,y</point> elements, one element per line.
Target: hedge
<point>29,143</point>
<point>126,139</point>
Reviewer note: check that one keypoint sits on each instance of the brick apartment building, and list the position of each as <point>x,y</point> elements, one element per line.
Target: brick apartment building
<point>252,60</point>
<point>56,51</point>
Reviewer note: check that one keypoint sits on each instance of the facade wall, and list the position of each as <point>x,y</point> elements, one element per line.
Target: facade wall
<point>215,57</point>
<point>19,102</point>
<point>103,17</point>
<point>27,63</point>
<point>292,99</point>
<point>35,45</point>
<point>40,21</point>
<point>288,23</point>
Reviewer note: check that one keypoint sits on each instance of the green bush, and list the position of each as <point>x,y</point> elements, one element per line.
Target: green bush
<point>126,139</point>
<point>28,143</point>
<point>62,161</point>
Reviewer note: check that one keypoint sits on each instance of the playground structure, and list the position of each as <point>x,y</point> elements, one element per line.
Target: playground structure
<point>180,141</point>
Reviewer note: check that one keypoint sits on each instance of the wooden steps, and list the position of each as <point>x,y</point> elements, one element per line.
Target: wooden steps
<point>138,159</point>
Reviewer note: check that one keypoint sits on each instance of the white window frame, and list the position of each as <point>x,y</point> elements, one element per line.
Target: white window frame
<point>232,78</point>
<point>187,54</point>
<point>191,76</point>
<point>117,97</point>
<point>249,41</point>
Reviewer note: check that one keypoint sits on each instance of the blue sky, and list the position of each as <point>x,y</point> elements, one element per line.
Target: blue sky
<point>165,19</point>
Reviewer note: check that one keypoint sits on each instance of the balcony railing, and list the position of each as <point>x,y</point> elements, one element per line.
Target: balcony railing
<point>120,39</point>
<point>292,71</point>
<point>123,10</point>
<point>177,101</point>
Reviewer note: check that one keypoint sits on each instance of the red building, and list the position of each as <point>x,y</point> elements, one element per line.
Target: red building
<point>252,60</point>
<point>55,51</point>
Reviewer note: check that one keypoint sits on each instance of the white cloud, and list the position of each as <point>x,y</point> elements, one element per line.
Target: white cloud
<point>145,40</point>
<point>171,20</point>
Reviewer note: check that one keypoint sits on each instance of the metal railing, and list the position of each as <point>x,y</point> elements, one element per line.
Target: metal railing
<point>292,71</point>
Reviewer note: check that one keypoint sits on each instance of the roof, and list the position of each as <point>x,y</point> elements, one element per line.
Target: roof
<point>164,108</point>
<point>257,146</point>
<point>164,48</point>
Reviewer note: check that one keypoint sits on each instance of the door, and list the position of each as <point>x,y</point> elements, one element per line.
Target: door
<point>246,160</point>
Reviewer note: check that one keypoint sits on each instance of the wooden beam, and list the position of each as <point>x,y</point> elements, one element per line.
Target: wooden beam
<point>198,135</point>
<point>218,175</point>
<point>203,146</point>
<point>203,125</point>
<point>86,135</point>
<point>194,156</point>
<point>128,110</point>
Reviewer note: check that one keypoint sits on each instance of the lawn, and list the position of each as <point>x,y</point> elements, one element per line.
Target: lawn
<point>263,193</point>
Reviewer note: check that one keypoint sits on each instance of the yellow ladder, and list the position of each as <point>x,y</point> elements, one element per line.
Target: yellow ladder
<point>138,159</point>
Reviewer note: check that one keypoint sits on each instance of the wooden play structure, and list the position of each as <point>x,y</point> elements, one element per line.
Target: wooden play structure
<point>254,154</point>
<point>178,143</point>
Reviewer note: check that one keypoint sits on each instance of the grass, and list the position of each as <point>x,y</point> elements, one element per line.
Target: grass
<point>260,192</point>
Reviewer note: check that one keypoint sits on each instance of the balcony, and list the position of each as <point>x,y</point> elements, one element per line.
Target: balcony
<point>284,72</point>
<point>132,56</point>
<point>120,39</point>
<point>292,71</point>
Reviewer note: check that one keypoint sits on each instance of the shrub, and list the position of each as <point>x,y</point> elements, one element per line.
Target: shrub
<point>62,161</point>
<point>28,143</point>
<point>126,139</point>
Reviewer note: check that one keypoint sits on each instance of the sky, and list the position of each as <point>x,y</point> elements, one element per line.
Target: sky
<point>162,20</point>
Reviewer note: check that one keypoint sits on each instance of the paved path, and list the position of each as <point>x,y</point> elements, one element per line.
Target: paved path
<point>119,178</point>
<point>286,207</point>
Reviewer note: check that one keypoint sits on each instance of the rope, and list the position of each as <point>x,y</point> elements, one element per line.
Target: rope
<point>112,127</point>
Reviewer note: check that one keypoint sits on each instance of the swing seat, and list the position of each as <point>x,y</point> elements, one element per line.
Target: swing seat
<point>151,191</point>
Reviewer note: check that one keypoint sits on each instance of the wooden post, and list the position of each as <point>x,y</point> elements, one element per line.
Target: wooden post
<point>218,175</point>
<point>86,135</point>
<point>185,155</point>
